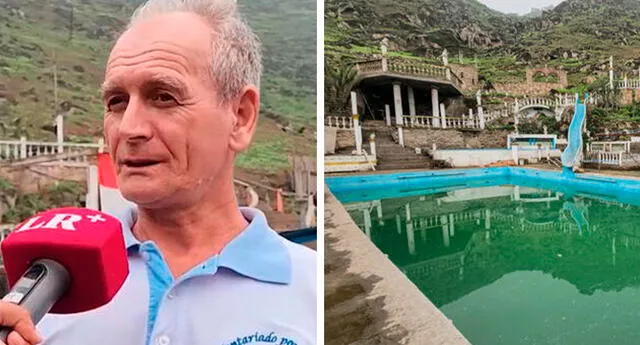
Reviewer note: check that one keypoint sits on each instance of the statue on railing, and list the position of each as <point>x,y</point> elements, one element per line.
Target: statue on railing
<point>384,45</point>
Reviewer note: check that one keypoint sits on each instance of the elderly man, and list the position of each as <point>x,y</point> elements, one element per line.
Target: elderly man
<point>181,100</point>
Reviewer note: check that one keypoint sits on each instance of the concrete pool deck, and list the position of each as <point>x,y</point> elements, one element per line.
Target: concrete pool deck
<point>368,300</point>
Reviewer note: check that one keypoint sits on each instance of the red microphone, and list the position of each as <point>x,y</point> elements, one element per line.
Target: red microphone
<point>65,260</point>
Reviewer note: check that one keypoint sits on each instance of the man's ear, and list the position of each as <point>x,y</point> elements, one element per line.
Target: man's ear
<point>246,111</point>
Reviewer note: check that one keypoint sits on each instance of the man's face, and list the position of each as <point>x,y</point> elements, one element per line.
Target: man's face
<point>167,132</point>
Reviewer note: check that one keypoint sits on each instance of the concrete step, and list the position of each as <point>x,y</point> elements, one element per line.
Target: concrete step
<point>403,166</point>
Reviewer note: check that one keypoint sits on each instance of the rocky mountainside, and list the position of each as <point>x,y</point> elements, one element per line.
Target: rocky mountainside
<point>576,35</point>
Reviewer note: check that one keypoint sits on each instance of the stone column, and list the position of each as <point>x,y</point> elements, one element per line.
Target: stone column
<point>452,228</point>
<point>372,144</point>
<point>60,132</point>
<point>356,123</point>
<point>411,241</point>
<point>487,219</point>
<point>611,72</point>
<point>367,222</point>
<point>92,200</point>
<point>443,116</point>
<point>480,110</point>
<point>435,108</point>
<point>412,104</point>
<point>387,114</point>
<point>445,230</point>
<point>397,103</point>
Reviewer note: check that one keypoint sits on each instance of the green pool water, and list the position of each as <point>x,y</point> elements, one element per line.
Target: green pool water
<point>516,265</point>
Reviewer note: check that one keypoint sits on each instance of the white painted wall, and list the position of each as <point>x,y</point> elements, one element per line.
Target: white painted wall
<point>344,163</point>
<point>468,158</point>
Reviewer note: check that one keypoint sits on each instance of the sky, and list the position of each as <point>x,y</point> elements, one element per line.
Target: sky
<point>518,6</point>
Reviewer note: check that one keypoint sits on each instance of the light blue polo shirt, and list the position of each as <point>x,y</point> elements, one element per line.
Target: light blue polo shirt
<point>261,289</point>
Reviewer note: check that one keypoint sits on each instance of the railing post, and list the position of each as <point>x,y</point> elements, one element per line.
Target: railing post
<point>356,125</point>
<point>385,66</point>
<point>23,147</point>
<point>620,158</point>
<point>372,143</point>
<point>101,145</point>
<point>60,132</point>
<point>92,188</point>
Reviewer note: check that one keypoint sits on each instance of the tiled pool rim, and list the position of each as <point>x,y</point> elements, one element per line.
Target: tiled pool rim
<point>375,186</point>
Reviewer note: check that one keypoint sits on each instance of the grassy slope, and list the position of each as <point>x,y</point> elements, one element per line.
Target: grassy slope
<point>27,45</point>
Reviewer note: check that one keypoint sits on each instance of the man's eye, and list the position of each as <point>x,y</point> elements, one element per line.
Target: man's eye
<point>117,104</point>
<point>164,99</point>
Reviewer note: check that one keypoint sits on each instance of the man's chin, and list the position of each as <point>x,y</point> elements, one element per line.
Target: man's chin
<point>142,195</point>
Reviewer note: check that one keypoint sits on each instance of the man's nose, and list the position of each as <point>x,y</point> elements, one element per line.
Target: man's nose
<point>135,125</point>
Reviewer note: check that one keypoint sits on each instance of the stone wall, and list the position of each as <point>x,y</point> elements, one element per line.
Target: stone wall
<point>560,74</point>
<point>628,96</point>
<point>345,139</point>
<point>533,89</point>
<point>40,177</point>
<point>468,75</point>
<point>455,139</point>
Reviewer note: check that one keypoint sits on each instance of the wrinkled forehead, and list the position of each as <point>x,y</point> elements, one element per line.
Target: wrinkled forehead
<point>178,37</point>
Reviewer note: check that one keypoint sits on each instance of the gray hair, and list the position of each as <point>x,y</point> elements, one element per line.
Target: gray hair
<point>237,58</point>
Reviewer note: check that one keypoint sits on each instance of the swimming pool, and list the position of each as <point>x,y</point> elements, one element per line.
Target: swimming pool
<point>512,256</point>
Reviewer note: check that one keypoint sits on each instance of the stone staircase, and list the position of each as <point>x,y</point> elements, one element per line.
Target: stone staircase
<point>392,156</point>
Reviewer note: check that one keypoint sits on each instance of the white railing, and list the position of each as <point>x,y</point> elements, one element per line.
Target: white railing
<point>496,114</point>
<point>408,67</point>
<point>609,146</point>
<point>556,104</point>
<point>14,150</point>
<point>421,121</point>
<point>629,84</point>
<point>608,158</point>
<point>339,122</point>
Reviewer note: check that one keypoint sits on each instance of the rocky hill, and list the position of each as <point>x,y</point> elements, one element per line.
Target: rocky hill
<point>576,35</point>
<point>75,36</point>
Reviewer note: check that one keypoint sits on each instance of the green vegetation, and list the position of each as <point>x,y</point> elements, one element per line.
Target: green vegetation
<point>35,35</point>
<point>269,156</point>
<point>15,206</point>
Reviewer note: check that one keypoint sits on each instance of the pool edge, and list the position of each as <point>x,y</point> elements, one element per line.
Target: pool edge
<point>397,308</point>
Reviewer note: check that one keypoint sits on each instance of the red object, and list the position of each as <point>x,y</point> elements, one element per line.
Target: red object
<point>107,172</point>
<point>279,201</point>
<point>88,243</point>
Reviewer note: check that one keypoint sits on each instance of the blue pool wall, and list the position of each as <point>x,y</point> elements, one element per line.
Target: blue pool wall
<point>383,186</point>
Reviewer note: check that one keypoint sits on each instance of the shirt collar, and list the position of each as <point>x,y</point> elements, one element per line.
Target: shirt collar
<point>257,252</point>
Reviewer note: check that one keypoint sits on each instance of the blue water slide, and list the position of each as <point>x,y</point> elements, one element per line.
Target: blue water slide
<point>574,147</point>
